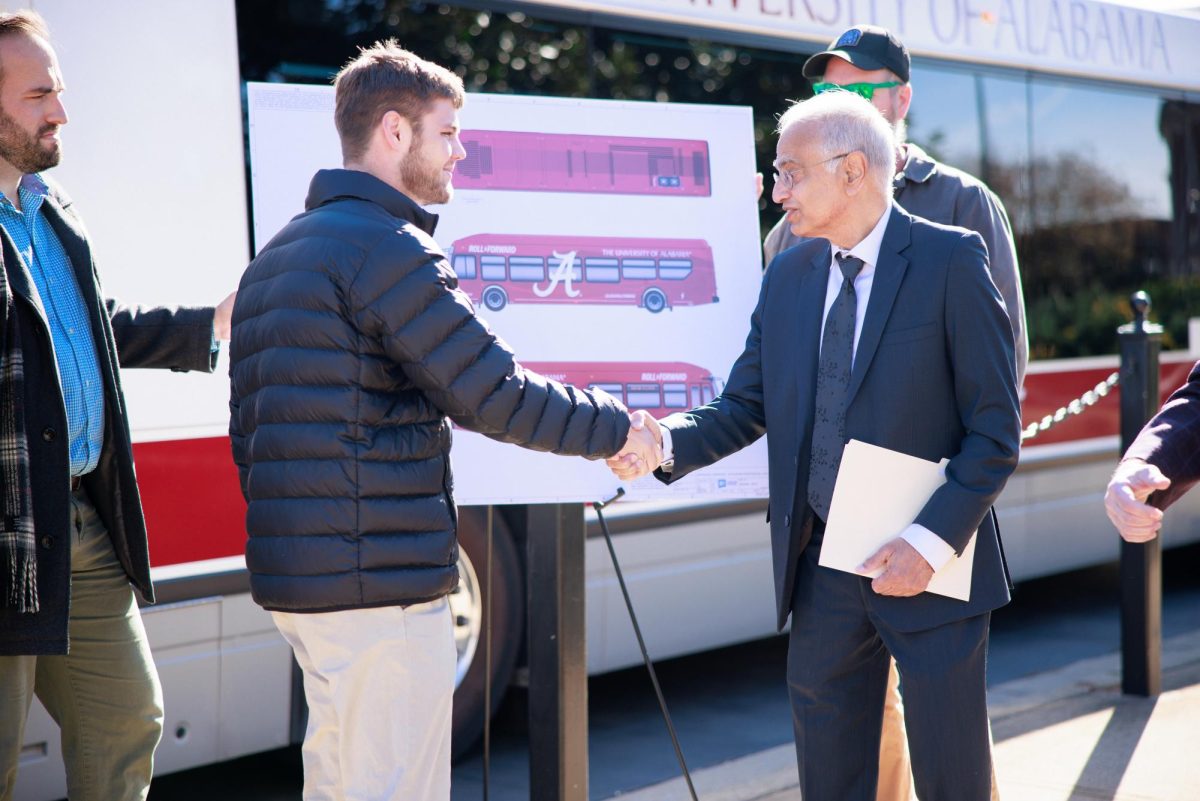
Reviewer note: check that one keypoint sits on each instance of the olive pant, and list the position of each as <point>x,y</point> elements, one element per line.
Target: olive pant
<point>104,693</point>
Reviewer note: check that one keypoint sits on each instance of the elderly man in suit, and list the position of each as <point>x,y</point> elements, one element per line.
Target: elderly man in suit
<point>885,328</point>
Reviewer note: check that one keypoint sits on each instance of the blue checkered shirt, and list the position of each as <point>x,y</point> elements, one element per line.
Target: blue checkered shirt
<point>70,328</point>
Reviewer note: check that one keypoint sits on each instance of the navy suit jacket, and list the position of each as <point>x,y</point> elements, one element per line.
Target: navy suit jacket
<point>933,377</point>
<point>1171,441</point>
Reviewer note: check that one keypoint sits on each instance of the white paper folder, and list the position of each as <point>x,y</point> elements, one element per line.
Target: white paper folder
<point>879,492</point>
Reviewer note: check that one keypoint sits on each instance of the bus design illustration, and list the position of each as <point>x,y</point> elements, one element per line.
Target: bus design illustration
<point>660,388</point>
<point>655,274</point>
<point>542,162</point>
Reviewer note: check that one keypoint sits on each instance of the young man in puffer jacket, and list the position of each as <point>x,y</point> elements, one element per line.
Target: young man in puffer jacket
<point>352,345</point>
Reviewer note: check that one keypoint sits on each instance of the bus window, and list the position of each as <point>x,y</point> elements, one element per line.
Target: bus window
<point>643,396</point>
<point>576,269</point>
<point>616,390</point>
<point>675,269</point>
<point>491,268</point>
<point>675,396</point>
<point>1006,161</point>
<point>706,394</point>
<point>941,128</point>
<point>464,266</point>
<point>1100,223</point>
<point>527,268</point>
<point>638,269</point>
<point>602,270</point>
<point>696,399</point>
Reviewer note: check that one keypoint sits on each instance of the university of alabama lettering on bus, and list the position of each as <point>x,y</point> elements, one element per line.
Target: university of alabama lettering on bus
<point>659,388</point>
<point>541,162</point>
<point>656,274</point>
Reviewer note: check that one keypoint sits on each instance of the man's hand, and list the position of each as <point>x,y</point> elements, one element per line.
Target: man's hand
<point>1124,500</point>
<point>223,319</point>
<point>642,453</point>
<point>905,571</point>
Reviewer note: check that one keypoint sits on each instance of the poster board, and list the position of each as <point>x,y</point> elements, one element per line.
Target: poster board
<point>609,243</point>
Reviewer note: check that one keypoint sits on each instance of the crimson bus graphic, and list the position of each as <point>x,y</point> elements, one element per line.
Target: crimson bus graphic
<point>543,162</point>
<point>658,387</point>
<point>655,274</point>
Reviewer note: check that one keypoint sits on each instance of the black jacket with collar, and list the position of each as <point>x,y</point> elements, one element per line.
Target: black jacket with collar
<point>175,338</point>
<point>352,345</point>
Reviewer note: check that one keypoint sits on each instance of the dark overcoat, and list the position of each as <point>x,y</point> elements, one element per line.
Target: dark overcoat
<point>171,337</point>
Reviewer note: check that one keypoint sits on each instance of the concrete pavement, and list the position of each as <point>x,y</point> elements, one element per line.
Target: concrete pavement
<point>1062,735</point>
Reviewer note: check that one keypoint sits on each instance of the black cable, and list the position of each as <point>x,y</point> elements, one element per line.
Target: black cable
<point>486,597</point>
<point>662,703</point>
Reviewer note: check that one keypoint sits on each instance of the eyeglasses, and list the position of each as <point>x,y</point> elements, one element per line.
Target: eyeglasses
<point>785,179</point>
<point>866,90</point>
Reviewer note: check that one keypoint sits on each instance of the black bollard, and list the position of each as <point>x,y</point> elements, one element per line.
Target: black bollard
<point>558,758</point>
<point>1141,563</point>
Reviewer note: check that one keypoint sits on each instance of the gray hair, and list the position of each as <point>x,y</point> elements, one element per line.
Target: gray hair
<point>844,123</point>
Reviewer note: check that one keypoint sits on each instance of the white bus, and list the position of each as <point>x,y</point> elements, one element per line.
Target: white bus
<point>1083,115</point>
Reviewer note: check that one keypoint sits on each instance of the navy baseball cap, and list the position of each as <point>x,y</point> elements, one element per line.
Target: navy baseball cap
<point>867,47</point>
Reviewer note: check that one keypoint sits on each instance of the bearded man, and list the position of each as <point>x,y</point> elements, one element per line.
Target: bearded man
<point>74,538</point>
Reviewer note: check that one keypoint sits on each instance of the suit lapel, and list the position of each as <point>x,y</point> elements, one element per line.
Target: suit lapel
<point>889,273</point>
<point>19,278</point>
<point>810,308</point>
<point>74,241</point>
<point>71,234</point>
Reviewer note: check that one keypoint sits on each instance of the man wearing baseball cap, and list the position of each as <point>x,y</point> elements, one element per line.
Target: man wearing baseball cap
<point>872,62</point>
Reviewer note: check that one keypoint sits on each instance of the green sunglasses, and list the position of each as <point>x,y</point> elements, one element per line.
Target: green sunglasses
<point>867,90</point>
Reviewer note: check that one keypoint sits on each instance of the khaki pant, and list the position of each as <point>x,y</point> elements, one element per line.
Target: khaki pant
<point>379,684</point>
<point>895,773</point>
<point>104,694</point>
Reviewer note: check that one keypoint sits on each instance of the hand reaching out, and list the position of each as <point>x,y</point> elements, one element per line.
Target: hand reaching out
<point>642,453</point>
<point>223,319</point>
<point>1125,500</point>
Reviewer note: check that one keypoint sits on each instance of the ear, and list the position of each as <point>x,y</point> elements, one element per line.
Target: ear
<point>395,132</point>
<point>854,172</point>
<point>903,100</point>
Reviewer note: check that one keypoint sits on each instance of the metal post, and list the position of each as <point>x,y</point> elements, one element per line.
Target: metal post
<point>1141,563</point>
<point>558,766</point>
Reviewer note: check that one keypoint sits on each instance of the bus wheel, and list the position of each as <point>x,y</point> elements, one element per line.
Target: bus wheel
<point>494,298</point>
<point>654,300</point>
<point>466,607</point>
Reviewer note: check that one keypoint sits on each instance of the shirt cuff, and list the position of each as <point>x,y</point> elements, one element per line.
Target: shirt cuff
<point>933,549</point>
<point>668,462</point>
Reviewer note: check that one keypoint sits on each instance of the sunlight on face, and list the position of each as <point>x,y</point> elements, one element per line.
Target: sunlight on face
<point>428,168</point>
<point>31,110</point>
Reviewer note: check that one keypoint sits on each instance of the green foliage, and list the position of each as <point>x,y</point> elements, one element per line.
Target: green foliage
<point>1085,322</point>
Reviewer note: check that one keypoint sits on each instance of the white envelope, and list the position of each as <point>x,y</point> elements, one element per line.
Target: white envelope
<point>878,494</point>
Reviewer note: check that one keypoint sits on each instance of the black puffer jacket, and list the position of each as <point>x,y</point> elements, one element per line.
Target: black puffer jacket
<point>351,345</point>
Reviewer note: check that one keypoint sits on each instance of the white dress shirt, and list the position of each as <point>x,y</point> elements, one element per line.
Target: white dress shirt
<point>936,551</point>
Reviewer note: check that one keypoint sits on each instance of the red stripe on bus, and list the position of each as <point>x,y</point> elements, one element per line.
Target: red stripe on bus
<point>193,503</point>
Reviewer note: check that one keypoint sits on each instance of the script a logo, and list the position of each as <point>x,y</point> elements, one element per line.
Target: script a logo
<point>562,273</point>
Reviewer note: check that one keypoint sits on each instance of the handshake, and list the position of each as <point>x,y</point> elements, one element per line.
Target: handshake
<point>643,449</point>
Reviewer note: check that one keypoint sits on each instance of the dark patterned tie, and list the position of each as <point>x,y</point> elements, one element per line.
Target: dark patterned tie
<point>833,381</point>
